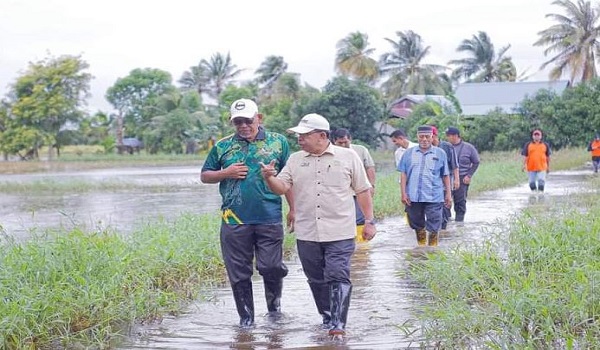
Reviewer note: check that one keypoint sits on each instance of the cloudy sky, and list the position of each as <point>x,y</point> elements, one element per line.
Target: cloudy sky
<point>115,37</point>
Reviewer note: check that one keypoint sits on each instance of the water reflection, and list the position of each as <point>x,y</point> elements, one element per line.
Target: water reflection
<point>179,190</point>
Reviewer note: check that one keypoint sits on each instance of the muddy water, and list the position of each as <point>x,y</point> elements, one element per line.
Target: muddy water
<point>383,297</point>
<point>155,192</point>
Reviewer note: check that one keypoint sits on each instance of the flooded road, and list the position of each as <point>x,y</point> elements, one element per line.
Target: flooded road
<point>384,300</point>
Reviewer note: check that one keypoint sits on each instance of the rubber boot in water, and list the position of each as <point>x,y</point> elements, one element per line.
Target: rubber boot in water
<point>273,296</point>
<point>320,292</point>
<point>339,299</point>
<point>433,239</point>
<point>421,237</point>
<point>244,302</point>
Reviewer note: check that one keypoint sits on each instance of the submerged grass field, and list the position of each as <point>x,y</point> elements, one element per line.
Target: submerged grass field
<point>533,287</point>
<point>70,288</point>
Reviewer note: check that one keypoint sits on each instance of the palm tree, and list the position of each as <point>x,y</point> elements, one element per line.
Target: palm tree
<point>484,65</point>
<point>196,78</point>
<point>270,70</point>
<point>406,70</point>
<point>574,41</point>
<point>220,71</point>
<point>352,59</point>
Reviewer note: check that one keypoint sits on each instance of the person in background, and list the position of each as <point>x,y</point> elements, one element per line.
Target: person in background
<point>452,167</point>
<point>251,224</point>
<point>468,162</point>
<point>536,160</point>
<point>341,137</point>
<point>425,186</point>
<point>323,179</point>
<point>594,148</point>
<point>400,139</point>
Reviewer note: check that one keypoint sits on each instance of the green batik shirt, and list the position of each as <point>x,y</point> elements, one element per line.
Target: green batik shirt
<point>249,201</point>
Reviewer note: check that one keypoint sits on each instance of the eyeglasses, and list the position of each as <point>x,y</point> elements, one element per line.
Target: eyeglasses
<point>239,121</point>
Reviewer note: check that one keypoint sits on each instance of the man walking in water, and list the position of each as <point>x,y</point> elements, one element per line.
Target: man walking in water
<point>468,162</point>
<point>536,161</point>
<point>252,215</point>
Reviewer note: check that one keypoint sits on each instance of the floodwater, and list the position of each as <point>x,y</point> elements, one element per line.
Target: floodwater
<point>384,300</point>
<point>156,192</point>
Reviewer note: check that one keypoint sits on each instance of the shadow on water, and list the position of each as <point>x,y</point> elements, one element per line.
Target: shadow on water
<point>384,300</point>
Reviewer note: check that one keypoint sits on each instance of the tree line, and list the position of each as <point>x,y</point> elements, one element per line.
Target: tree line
<point>45,105</point>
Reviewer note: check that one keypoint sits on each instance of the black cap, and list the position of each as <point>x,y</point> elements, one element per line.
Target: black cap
<point>452,131</point>
<point>425,129</point>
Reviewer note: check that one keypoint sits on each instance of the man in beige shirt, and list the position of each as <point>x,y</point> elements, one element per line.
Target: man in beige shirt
<point>323,179</point>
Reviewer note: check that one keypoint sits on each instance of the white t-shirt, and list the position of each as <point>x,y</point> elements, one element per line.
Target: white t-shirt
<point>400,151</point>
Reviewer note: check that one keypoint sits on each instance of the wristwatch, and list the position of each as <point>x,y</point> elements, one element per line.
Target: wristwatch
<point>370,222</point>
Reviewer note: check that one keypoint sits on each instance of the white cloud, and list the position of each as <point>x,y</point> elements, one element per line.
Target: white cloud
<point>115,37</point>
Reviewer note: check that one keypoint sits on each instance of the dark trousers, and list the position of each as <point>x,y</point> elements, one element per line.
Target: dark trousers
<point>459,197</point>
<point>325,262</point>
<point>425,215</point>
<point>326,265</point>
<point>241,243</point>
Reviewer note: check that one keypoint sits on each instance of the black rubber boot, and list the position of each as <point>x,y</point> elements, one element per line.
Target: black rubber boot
<point>244,302</point>
<point>339,298</point>
<point>320,292</point>
<point>541,188</point>
<point>273,296</point>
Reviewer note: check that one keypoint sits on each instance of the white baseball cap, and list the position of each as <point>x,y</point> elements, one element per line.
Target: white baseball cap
<point>309,123</point>
<point>244,108</point>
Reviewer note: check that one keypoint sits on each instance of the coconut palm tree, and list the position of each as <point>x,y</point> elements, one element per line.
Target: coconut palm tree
<point>406,72</point>
<point>484,64</point>
<point>270,70</point>
<point>573,40</point>
<point>352,58</point>
<point>196,78</point>
<point>220,71</point>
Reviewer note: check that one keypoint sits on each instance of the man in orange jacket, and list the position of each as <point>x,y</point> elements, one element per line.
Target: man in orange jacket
<point>594,147</point>
<point>536,160</point>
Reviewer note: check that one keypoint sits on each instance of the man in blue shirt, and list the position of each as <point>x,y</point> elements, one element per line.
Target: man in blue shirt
<point>251,213</point>
<point>425,186</point>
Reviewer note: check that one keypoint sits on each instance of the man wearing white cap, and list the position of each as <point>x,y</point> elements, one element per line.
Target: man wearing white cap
<point>323,178</point>
<point>252,215</point>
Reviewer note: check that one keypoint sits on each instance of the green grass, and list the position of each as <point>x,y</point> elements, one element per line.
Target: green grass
<point>77,287</point>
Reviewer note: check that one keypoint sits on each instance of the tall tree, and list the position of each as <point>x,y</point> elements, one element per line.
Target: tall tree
<point>349,104</point>
<point>220,71</point>
<point>42,101</point>
<point>353,58</point>
<point>134,96</point>
<point>270,70</point>
<point>195,79</point>
<point>405,70</point>
<point>573,41</point>
<point>484,63</point>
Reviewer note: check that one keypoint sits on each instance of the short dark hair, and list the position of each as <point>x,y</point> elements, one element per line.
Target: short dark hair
<point>339,133</point>
<point>398,133</point>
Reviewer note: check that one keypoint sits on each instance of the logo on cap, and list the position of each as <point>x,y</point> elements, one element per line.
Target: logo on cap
<point>240,105</point>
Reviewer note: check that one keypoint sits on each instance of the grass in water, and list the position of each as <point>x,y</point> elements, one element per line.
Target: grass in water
<point>534,287</point>
<point>83,287</point>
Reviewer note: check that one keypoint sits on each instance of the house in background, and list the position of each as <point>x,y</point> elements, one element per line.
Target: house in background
<point>480,98</point>
<point>403,107</point>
